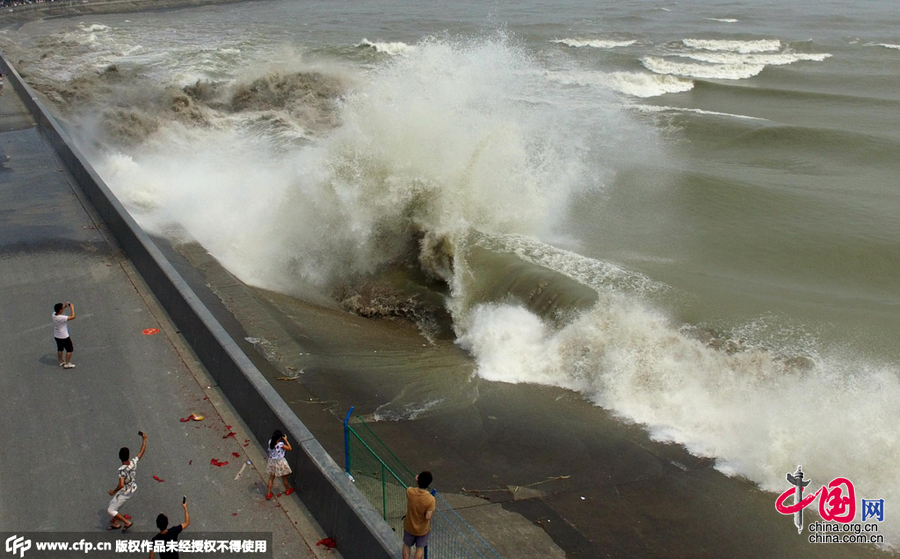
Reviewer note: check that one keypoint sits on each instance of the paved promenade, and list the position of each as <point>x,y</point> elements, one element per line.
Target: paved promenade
<point>61,429</point>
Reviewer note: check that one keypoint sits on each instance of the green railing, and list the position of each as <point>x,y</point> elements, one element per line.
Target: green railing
<point>383,479</point>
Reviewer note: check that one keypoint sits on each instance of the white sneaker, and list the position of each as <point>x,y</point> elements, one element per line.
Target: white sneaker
<point>68,365</point>
<point>61,363</point>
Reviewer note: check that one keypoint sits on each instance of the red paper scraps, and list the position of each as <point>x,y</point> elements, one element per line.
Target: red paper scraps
<point>157,479</point>
<point>215,462</point>
<point>228,435</point>
<point>234,514</point>
<point>184,419</point>
<point>327,542</point>
<point>127,517</point>
<point>228,427</point>
<point>190,462</point>
<point>235,454</point>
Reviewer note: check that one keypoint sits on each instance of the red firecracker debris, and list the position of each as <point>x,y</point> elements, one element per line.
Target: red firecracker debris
<point>228,435</point>
<point>228,427</point>
<point>327,542</point>
<point>234,514</point>
<point>127,517</point>
<point>215,462</point>
<point>184,419</point>
<point>157,479</point>
<point>235,454</point>
<point>190,462</point>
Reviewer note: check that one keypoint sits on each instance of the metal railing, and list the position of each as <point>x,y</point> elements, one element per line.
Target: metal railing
<point>383,479</point>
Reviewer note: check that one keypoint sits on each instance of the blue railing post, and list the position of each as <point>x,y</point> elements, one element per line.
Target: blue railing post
<point>347,441</point>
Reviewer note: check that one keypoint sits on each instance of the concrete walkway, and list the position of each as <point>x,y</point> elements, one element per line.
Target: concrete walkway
<point>61,429</point>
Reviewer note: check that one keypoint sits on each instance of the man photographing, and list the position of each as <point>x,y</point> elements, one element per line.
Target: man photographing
<point>167,535</point>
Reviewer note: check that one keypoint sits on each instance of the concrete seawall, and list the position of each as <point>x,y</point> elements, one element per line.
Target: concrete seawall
<point>334,501</point>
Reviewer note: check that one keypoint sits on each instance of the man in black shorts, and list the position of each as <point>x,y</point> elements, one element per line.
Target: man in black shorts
<point>167,535</point>
<point>61,334</point>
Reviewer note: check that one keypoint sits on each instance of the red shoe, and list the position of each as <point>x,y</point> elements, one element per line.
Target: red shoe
<point>269,496</point>
<point>289,491</point>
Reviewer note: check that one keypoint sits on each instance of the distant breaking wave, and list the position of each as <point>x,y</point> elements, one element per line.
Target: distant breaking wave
<point>595,43</point>
<point>744,47</point>
<point>393,49</point>
<point>647,85</point>
<point>636,84</point>
<point>775,59</point>
<point>723,20</point>
<point>663,109</point>
<point>702,71</point>
<point>889,46</point>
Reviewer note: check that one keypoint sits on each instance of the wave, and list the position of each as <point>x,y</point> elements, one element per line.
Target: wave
<point>702,71</point>
<point>775,59</point>
<point>647,85</point>
<point>593,273</point>
<point>649,109</point>
<point>636,84</point>
<point>393,49</point>
<point>422,149</point>
<point>595,43</point>
<point>738,403</point>
<point>743,47</point>
<point>889,46</point>
<point>723,19</point>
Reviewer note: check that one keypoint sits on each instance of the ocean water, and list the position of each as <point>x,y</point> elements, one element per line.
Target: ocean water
<point>685,211</point>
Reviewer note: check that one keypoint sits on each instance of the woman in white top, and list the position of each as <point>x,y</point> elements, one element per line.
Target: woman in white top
<point>61,334</point>
<point>276,465</point>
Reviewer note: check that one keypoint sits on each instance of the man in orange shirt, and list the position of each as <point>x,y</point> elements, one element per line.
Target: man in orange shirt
<point>419,508</point>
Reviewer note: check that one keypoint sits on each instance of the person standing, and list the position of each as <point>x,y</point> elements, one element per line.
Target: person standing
<point>420,505</point>
<point>276,465</point>
<point>61,334</point>
<point>167,534</point>
<point>126,487</point>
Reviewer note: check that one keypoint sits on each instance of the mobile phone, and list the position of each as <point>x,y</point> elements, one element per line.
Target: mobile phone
<point>183,500</point>
<point>140,433</point>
